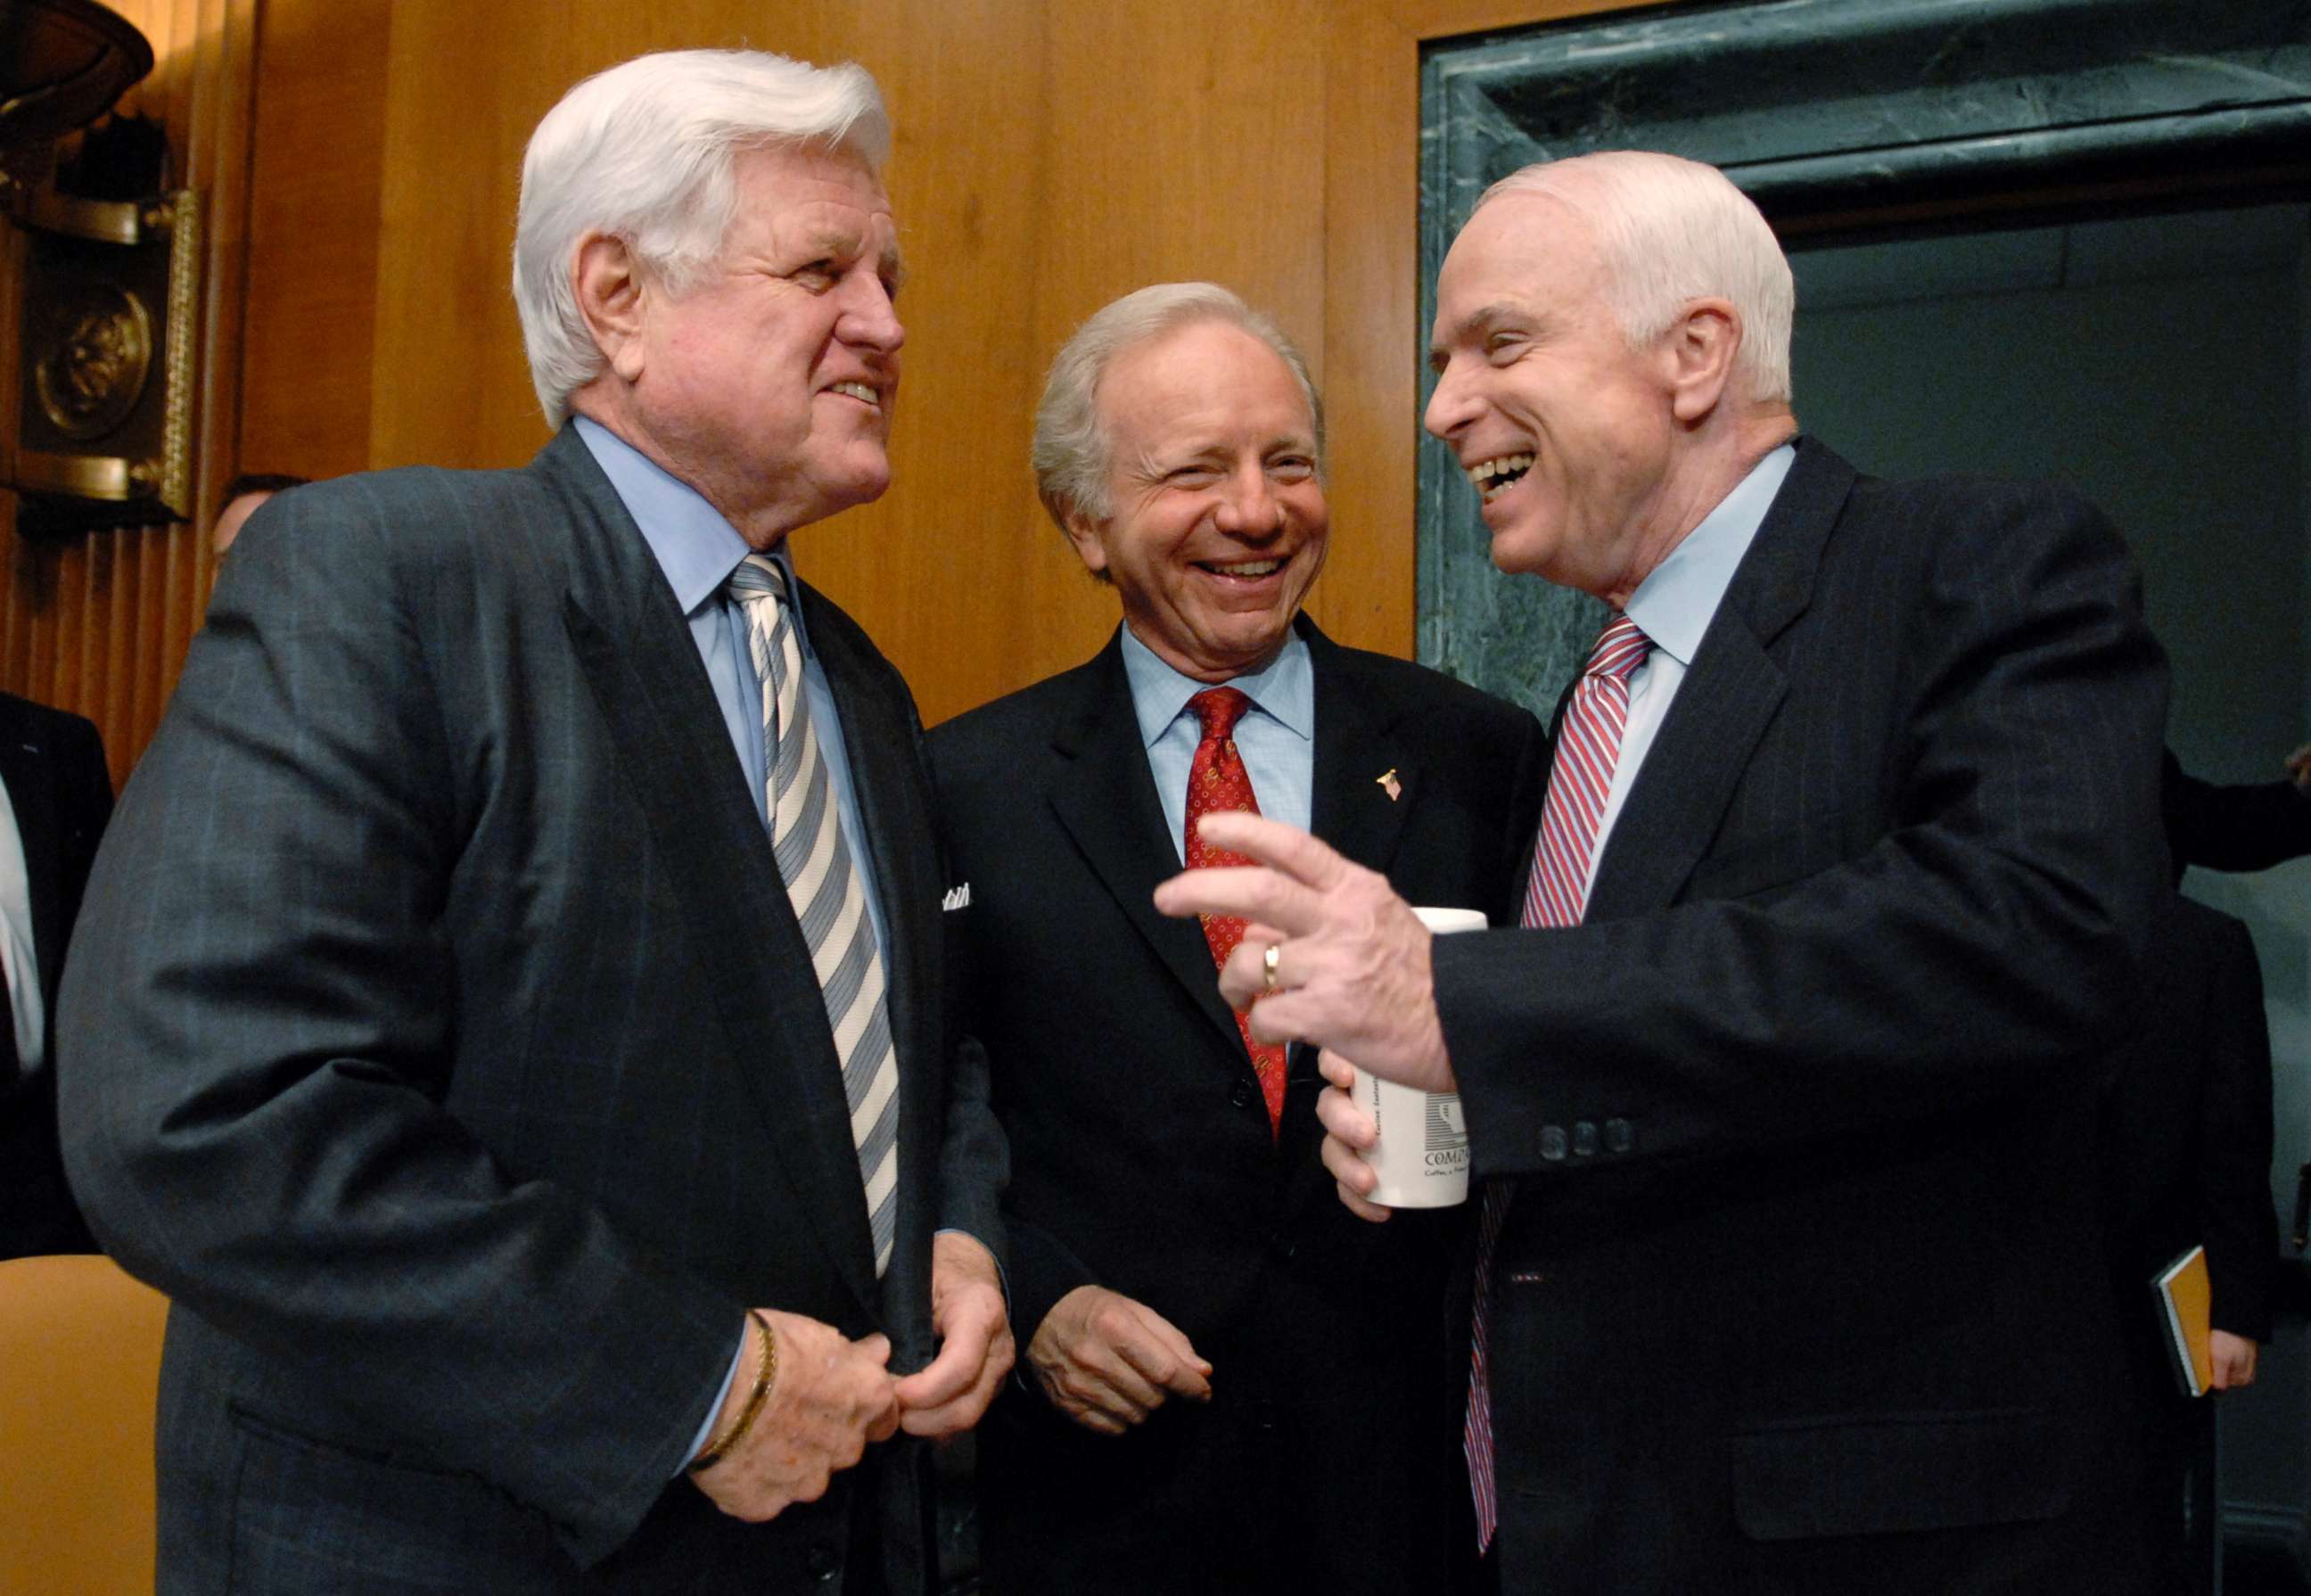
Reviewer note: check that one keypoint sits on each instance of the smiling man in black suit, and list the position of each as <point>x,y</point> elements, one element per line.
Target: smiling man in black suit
<point>1783,1094</point>
<point>1195,1299</point>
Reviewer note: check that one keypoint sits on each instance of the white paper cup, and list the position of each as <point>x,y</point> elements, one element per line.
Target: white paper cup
<point>1422,1157</point>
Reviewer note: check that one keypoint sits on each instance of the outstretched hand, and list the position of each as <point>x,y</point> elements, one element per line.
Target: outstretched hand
<point>1352,970</point>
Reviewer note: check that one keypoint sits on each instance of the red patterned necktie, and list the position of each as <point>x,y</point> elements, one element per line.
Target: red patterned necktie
<point>1217,782</point>
<point>1588,746</point>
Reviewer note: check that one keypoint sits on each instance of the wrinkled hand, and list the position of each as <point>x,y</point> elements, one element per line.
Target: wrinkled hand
<point>947,1395</point>
<point>2298,769</point>
<point>829,1399</point>
<point>1347,1131</point>
<point>1108,1362</point>
<point>1353,971</point>
<point>2234,1360</point>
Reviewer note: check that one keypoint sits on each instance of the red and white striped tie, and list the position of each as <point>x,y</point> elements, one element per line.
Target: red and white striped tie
<point>1588,746</point>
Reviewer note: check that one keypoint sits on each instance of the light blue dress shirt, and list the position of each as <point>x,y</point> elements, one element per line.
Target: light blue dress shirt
<point>697,550</point>
<point>1276,737</point>
<point>1673,607</point>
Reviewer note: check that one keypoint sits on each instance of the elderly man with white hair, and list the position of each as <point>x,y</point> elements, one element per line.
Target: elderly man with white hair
<point>1237,1388</point>
<point>1782,1093</point>
<point>509,1017</point>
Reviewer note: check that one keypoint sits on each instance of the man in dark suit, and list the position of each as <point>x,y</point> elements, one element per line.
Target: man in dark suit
<point>59,794</point>
<point>2186,1162</point>
<point>1789,1275</point>
<point>1195,1299</point>
<point>509,1016</point>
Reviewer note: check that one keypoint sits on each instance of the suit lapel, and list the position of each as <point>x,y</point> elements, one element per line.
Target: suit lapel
<point>1355,746</point>
<point>1728,698</point>
<point>636,652</point>
<point>1357,742</point>
<point>1105,795</point>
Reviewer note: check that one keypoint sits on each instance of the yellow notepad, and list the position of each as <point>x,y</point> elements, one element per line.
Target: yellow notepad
<point>2185,1301</point>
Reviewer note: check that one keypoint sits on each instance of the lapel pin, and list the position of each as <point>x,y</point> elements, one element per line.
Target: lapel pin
<point>1390,785</point>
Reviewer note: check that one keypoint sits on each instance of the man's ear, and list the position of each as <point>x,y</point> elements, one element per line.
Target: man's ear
<point>1083,533</point>
<point>1701,346</point>
<point>611,294</point>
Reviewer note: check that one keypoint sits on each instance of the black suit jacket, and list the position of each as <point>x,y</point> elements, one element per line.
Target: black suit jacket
<point>1143,1160</point>
<point>61,792</point>
<point>443,1040</point>
<point>2249,827</point>
<point>1801,1288</point>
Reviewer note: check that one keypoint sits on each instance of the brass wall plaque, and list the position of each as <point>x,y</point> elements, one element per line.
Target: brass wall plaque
<point>108,323</point>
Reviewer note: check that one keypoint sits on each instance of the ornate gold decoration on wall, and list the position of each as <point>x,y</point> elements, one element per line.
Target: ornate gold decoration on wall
<point>93,374</point>
<point>109,303</point>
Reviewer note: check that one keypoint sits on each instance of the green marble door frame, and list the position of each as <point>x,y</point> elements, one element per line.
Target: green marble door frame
<point>1838,117</point>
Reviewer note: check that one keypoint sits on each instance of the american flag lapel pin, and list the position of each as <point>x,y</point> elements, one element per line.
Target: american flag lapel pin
<point>1390,785</point>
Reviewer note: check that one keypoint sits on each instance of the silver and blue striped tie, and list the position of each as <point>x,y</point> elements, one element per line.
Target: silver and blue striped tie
<point>829,898</point>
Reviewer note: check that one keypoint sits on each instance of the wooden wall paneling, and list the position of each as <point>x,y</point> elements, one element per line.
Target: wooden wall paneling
<point>932,569</point>
<point>1186,141</point>
<point>1426,19</point>
<point>1371,124</point>
<point>317,165</point>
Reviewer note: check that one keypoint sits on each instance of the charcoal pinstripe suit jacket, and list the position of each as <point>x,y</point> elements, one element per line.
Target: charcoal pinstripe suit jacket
<point>442,1042</point>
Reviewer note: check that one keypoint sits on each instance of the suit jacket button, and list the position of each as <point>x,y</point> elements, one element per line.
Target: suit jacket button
<point>1242,1094</point>
<point>1620,1136</point>
<point>823,1563</point>
<point>1584,1139</point>
<point>1552,1143</point>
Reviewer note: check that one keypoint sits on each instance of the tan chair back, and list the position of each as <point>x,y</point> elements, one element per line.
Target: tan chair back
<point>80,1374</point>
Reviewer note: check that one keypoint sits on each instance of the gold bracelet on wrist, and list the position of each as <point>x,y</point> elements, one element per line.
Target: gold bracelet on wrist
<point>720,1448</point>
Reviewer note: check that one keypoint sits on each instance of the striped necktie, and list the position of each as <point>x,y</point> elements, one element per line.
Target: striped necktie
<point>1587,747</point>
<point>829,899</point>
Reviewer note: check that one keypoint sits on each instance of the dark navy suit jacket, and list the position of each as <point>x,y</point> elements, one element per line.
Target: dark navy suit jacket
<point>1800,1289</point>
<point>1329,1456</point>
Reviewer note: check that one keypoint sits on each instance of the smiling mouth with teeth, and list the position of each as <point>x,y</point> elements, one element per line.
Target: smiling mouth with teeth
<point>1246,567</point>
<point>1493,477</point>
<point>858,391</point>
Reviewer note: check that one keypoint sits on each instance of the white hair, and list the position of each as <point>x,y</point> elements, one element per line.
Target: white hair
<point>644,152</point>
<point>1070,452</point>
<point>1669,231</point>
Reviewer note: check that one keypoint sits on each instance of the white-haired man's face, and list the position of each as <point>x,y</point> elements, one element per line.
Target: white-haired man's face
<point>1567,432</point>
<point>768,385</point>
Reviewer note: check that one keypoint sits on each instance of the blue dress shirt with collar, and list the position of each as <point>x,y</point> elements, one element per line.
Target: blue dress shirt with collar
<point>1277,736</point>
<point>697,550</point>
<point>1673,607</point>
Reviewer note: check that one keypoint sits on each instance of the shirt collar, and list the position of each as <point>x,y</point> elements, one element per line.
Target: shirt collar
<point>1673,605</point>
<point>696,548</point>
<point>1284,691</point>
